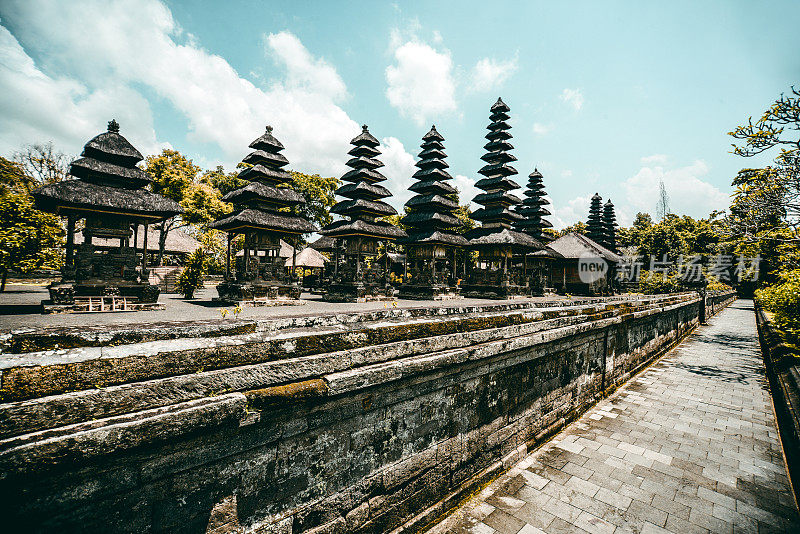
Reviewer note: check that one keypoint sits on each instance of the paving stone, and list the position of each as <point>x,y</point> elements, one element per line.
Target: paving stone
<point>689,446</point>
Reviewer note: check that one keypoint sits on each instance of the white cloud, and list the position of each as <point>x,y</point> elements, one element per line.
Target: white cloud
<point>489,74</point>
<point>437,37</point>
<point>573,97</point>
<point>420,83</point>
<point>129,43</point>
<point>575,210</point>
<point>304,72</point>
<point>541,129</point>
<point>566,173</point>
<point>688,193</point>
<point>466,189</point>
<point>37,108</point>
<point>655,159</point>
<point>398,168</point>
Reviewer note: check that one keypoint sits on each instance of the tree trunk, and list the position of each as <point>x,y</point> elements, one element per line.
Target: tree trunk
<point>3,282</point>
<point>162,241</point>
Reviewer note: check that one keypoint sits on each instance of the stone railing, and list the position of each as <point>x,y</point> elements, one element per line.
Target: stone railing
<point>782,361</point>
<point>338,423</point>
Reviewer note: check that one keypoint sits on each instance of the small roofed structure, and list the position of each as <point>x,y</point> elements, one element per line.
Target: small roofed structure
<point>261,271</point>
<point>432,247</point>
<point>585,268</point>
<point>108,192</point>
<point>355,275</point>
<point>496,274</point>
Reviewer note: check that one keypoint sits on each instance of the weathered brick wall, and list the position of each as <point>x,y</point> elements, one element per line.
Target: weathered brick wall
<point>390,440</point>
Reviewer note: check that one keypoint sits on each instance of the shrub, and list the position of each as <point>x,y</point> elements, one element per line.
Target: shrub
<point>783,300</point>
<point>716,285</point>
<point>191,277</point>
<point>656,283</point>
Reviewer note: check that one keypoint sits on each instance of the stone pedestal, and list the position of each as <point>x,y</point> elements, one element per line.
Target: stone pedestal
<point>259,294</point>
<point>358,292</point>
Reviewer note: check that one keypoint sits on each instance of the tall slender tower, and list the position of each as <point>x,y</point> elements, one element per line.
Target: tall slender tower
<point>533,209</point>
<point>356,276</point>
<point>260,216</point>
<point>610,224</point>
<point>597,230</point>
<point>432,246</point>
<point>496,274</point>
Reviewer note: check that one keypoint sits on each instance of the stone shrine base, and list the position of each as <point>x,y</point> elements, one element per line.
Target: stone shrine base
<point>483,291</point>
<point>413,292</point>
<point>358,293</point>
<point>100,304</point>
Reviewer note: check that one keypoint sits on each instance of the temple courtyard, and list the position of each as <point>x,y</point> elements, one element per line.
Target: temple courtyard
<point>20,307</point>
<point>690,445</point>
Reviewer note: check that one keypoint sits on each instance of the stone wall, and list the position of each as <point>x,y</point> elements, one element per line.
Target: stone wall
<point>782,362</point>
<point>356,423</point>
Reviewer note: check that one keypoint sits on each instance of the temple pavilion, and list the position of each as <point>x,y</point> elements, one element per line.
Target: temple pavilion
<point>432,247</point>
<point>355,273</point>
<point>536,263</point>
<point>108,194</point>
<point>499,272</point>
<point>262,214</point>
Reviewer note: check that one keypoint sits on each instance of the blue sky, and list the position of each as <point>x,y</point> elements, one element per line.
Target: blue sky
<point>607,97</point>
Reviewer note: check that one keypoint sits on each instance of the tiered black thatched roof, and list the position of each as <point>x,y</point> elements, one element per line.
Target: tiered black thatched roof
<point>431,216</point>
<point>610,224</point>
<point>495,215</point>
<point>108,181</point>
<point>257,204</point>
<point>532,209</point>
<point>597,231</point>
<point>362,205</point>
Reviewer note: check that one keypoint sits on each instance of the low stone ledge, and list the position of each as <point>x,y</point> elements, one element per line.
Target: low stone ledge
<point>782,362</point>
<point>287,393</point>
<point>75,444</point>
<point>36,414</point>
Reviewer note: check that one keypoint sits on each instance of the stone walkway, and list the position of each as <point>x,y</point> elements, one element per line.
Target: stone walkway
<point>690,445</point>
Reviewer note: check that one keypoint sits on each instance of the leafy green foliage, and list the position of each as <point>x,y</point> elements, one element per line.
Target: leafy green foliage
<point>783,300</point>
<point>318,192</point>
<point>579,228</point>
<point>224,182</point>
<point>176,177</point>
<point>191,277</point>
<point>657,283</point>
<point>673,236</point>
<point>29,238</point>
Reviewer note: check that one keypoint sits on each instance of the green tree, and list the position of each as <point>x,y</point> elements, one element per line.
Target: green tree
<point>464,216</point>
<point>176,177</point>
<point>318,192</point>
<point>29,238</point>
<point>224,182</point>
<point>579,228</point>
<point>778,186</point>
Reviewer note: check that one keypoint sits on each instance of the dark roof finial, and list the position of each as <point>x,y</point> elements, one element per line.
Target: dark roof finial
<point>269,129</point>
<point>113,126</point>
<point>363,127</point>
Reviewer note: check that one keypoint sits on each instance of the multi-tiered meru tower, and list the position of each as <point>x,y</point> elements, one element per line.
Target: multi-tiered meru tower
<point>108,192</point>
<point>533,209</point>
<point>433,249</point>
<point>536,263</point>
<point>356,274</point>
<point>259,215</point>
<point>497,274</point>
